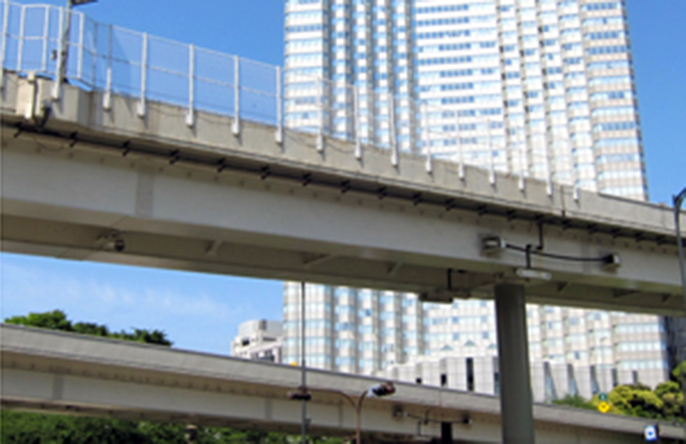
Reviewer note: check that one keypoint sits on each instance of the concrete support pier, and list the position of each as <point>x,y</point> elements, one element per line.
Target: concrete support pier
<point>516,401</point>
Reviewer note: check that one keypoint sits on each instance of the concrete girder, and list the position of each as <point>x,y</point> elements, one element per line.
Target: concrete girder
<point>60,202</point>
<point>80,375</point>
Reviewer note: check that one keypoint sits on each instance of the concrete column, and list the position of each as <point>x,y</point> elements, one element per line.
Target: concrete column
<point>515,380</point>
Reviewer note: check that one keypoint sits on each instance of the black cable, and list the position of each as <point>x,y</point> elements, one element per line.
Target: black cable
<point>556,256</point>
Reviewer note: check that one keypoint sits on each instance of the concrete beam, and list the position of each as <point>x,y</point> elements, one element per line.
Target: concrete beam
<point>286,211</point>
<point>73,374</point>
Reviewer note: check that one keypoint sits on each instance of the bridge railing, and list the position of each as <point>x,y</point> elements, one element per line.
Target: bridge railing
<point>113,60</point>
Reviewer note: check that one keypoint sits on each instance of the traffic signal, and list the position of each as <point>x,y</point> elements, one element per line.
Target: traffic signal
<point>300,394</point>
<point>379,390</point>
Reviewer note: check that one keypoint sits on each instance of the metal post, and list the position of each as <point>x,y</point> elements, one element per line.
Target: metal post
<point>358,417</point>
<point>22,26</point>
<point>549,165</point>
<point>678,201</point>
<point>575,177</point>
<point>446,433</point>
<point>46,39</point>
<point>391,130</point>
<point>320,101</point>
<point>303,380</point>
<point>190,115</point>
<point>460,152</point>
<point>356,117</point>
<point>63,55</point>
<point>429,165</point>
<point>491,173</point>
<point>279,107</point>
<point>107,97</point>
<point>144,76</point>
<point>602,357</point>
<point>513,358</point>
<point>5,37</point>
<point>523,160</point>
<point>94,54</point>
<point>82,31</point>
<point>236,128</point>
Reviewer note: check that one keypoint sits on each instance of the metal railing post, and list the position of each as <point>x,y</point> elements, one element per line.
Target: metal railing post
<point>523,157</point>
<point>236,128</point>
<point>144,76</point>
<point>94,73</point>
<point>65,27</point>
<point>190,115</point>
<point>460,152</point>
<point>427,140</point>
<point>5,37</point>
<point>20,50</point>
<point>391,130</point>
<point>491,173</point>
<point>46,41</point>
<point>82,31</point>
<point>575,178</point>
<point>279,107</point>
<point>107,97</point>
<point>356,122</point>
<point>548,164</point>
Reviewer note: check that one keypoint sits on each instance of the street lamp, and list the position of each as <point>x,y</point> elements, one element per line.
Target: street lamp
<point>64,50</point>
<point>678,201</point>
<point>302,393</point>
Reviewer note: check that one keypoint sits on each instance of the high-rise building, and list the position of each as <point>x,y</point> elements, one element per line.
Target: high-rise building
<point>538,88</point>
<point>332,45</point>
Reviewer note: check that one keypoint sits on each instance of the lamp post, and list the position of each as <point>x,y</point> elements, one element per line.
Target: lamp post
<point>302,393</point>
<point>303,374</point>
<point>64,49</point>
<point>678,201</point>
<point>603,368</point>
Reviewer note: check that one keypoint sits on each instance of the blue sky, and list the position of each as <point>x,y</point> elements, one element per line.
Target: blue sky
<point>202,312</point>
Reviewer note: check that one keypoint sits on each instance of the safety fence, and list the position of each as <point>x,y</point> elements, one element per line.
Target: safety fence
<point>113,60</point>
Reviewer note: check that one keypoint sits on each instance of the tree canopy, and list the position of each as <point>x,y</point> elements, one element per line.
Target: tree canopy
<point>57,320</point>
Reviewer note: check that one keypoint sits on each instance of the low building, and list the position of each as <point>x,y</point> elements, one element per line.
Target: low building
<point>259,339</point>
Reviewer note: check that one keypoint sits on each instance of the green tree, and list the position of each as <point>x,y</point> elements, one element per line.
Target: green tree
<point>57,320</point>
<point>637,400</point>
<point>54,320</point>
<point>673,399</point>
<point>32,428</point>
<point>678,371</point>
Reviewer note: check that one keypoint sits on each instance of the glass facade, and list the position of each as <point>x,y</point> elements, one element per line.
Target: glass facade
<point>538,88</point>
<point>367,331</point>
<point>541,89</point>
<point>332,45</point>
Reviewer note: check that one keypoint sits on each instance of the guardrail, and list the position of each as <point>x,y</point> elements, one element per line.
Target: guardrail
<point>113,60</point>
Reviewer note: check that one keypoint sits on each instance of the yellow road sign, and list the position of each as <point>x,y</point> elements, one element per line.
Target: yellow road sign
<point>604,407</point>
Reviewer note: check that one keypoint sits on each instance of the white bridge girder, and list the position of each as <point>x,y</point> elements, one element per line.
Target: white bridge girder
<point>62,201</point>
<point>80,375</point>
